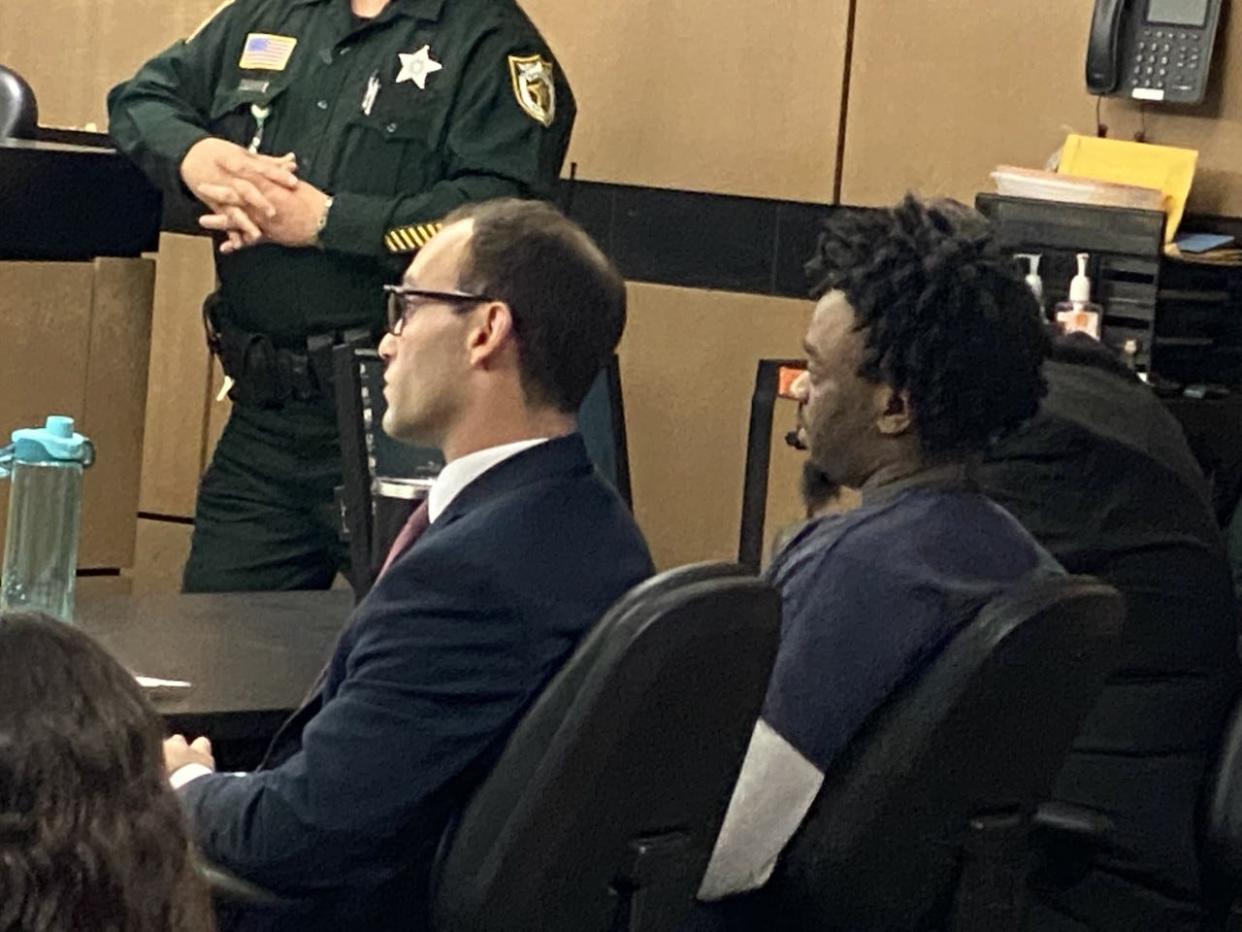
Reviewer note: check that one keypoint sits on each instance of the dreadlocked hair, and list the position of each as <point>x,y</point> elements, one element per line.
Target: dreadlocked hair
<point>945,318</point>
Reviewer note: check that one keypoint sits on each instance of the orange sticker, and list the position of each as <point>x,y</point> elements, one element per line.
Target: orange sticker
<point>785,380</point>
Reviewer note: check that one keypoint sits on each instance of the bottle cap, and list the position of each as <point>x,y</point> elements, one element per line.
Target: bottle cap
<point>55,441</point>
<point>1080,286</point>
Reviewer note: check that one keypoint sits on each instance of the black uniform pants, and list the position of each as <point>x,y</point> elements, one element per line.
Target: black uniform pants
<point>265,516</point>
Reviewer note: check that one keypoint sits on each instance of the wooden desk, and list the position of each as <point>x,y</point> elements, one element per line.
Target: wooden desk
<point>250,656</point>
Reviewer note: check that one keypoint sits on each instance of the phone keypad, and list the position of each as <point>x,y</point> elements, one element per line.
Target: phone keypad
<point>1167,59</point>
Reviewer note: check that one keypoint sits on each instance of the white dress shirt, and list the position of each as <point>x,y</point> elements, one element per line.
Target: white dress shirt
<point>458,474</point>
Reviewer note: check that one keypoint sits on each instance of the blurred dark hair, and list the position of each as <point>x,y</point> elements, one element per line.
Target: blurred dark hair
<point>92,838</point>
<point>568,301</point>
<point>944,314</point>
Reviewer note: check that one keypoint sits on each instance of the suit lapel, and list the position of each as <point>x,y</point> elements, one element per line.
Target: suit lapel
<point>563,456</point>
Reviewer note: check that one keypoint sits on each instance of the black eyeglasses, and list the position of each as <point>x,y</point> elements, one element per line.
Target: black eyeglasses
<point>404,301</point>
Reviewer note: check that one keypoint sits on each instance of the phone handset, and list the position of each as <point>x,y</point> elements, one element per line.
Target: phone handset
<point>1103,53</point>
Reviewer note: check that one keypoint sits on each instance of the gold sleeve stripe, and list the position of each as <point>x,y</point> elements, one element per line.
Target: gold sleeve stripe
<point>406,240</point>
<point>411,238</point>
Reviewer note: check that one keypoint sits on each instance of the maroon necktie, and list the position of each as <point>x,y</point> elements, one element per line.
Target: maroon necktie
<point>412,530</point>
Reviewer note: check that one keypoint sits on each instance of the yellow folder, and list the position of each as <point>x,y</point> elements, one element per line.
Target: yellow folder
<point>1168,169</point>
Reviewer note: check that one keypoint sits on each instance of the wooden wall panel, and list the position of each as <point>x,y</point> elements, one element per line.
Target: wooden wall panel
<point>935,107</point>
<point>162,550</point>
<point>687,371</point>
<point>73,51</point>
<point>45,325</point>
<point>45,316</point>
<point>93,587</point>
<point>180,377</point>
<point>734,97</point>
<point>940,93</point>
<point>739,98</point>
<point>114,409</point>
<point>74,340</point>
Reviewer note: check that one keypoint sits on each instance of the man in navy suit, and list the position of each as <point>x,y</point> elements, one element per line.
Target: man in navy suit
<point>496,333</point>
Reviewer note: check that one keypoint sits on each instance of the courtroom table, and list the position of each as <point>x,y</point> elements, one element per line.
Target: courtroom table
<point>250,657</point>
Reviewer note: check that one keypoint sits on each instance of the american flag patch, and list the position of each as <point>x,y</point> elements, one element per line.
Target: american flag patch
<point>266,52</point>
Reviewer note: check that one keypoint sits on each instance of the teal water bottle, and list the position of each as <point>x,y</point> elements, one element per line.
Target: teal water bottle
<point>44,467</point>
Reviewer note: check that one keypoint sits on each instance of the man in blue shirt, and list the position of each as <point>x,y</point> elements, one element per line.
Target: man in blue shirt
<point>924,345</point>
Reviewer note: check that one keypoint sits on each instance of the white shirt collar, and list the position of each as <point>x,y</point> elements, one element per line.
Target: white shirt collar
<point>458,474</point>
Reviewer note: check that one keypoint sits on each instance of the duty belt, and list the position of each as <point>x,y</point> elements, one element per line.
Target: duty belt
<point>269,376</point>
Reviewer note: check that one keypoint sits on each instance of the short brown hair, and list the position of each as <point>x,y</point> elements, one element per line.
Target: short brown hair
<point>567,299</point>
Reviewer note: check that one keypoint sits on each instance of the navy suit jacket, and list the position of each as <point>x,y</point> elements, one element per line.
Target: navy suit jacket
<point>427,681</point>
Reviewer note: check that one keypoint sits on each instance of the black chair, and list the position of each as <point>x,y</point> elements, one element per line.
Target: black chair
<point>1222,831</point>
<point>603,809</point>
<point>383,479</point>
<point>370,519</point>
<point>758,457</point>
<point>19,112</point>
<point>927,821</point>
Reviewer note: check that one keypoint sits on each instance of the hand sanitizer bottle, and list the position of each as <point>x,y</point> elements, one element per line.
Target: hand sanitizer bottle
<point>1033,281</point>
<point>1079,314</point>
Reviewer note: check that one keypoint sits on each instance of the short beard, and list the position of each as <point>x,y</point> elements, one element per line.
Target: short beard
<point>818,491</point>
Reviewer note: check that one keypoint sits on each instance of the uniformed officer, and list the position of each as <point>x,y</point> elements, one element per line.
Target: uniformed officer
<point>327,138</point>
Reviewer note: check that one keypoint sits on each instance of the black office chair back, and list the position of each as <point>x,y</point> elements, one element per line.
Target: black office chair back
<point>758,458</point>
<point>602,811</point>
<point>959,757</point>
<point>1222,818</point>
<point>19,112</point>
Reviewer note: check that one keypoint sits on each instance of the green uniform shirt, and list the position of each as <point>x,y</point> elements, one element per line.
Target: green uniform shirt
<point>432,104</point>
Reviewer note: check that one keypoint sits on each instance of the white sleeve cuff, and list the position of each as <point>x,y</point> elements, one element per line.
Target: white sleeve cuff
<point>773,794</point>
<point>184,774</point>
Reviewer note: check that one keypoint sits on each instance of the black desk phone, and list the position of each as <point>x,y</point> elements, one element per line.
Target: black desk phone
<point>1157,50</point>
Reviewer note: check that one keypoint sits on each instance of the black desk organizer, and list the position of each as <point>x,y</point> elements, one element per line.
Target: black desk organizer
<point>1187,316</point>
<point>1125,266</point>
<point>1199,324</point>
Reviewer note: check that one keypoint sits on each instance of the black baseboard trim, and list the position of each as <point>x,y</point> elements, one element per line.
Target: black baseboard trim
<point>691,239</point>
<point>664,236</point>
